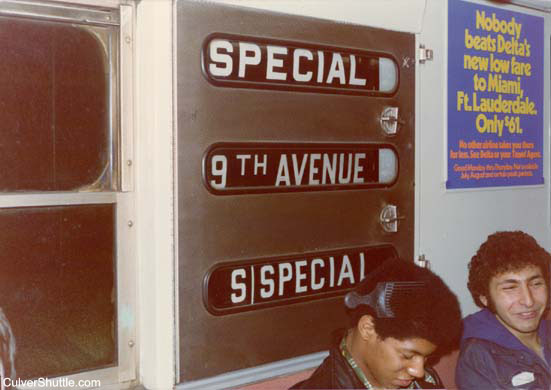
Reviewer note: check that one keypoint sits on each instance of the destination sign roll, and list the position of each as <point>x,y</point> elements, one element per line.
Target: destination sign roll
<point>260,283</point>
<point>252,62</point>
<point>236,168</point>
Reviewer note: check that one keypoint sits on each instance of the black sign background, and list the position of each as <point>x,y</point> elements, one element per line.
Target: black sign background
<point>367,67</point>
<point>236,183</point>
<point>325,269</point>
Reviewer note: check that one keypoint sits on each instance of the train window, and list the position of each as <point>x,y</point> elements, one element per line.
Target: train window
<point>65,202</point>
<point>57,287</point>
<point>56,131</point>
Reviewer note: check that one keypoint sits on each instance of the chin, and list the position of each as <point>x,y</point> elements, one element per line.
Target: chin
<point>399,384</point>
<point>523,327</point>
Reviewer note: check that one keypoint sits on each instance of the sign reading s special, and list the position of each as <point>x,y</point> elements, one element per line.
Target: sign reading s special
<point>243,168</point>
<point>261,63</point>
<point>495,97</point>
<point>259,283</point>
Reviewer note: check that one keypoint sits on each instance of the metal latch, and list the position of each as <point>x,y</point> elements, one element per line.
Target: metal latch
<point>389,218</point>
<point>423,262</point>
<point>425,54</point>
<point>390,121</point>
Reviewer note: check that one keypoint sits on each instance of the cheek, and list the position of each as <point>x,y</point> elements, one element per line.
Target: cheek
<point>386,363</point>
<point>511,302</point>
<point>394,362</point>
<point>542,295</point>
<point>504,301</point>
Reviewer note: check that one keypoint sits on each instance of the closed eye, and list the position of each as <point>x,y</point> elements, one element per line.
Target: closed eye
<point>509,287</point>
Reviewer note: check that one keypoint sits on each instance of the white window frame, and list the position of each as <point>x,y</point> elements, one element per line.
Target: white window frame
<point>124,374</point>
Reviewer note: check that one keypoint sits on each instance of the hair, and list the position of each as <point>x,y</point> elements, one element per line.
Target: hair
<point>431,313</point>
<point>504,252</point>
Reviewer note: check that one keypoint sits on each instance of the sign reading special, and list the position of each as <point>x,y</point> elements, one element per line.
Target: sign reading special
<point>260,283</point>
<point>495,97</point>
<point>261,63</point>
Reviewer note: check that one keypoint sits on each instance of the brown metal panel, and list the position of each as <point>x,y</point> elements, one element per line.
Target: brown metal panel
<point>214,229</point>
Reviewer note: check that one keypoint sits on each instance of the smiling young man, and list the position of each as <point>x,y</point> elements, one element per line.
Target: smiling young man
<point>380,351</point>
<point>507,345</point>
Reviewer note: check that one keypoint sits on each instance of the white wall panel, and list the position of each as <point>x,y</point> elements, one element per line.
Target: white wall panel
<point>399,15</point>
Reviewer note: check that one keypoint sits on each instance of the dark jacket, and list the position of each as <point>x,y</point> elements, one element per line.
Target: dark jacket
<point>333,373</point>
<point>493,358</point>
<point>336,373</point>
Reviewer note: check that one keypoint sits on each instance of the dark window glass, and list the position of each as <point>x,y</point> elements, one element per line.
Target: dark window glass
<point>57,287</point>
<point>54,108</point>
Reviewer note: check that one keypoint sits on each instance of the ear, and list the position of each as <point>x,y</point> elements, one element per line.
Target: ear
<point>484,300</point>
<point>366,327</point>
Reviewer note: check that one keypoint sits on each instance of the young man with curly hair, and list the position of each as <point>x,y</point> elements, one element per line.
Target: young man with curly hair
<point>507,345</point>
<point>383,350</point>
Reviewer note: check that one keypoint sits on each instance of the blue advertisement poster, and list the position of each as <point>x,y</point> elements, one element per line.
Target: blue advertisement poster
<point>495,97</point>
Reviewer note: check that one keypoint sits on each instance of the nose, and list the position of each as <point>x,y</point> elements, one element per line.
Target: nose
<point>416,367</point>
<point>526,299</point>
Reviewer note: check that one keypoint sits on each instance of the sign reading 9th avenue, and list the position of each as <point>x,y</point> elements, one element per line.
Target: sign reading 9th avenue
<point>235,168</point>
